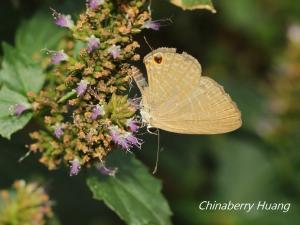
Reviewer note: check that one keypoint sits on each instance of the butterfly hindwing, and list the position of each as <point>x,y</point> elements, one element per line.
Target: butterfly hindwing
<point>209,110</point>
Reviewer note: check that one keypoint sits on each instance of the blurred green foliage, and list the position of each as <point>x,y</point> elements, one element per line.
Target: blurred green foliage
<point>245,47</point>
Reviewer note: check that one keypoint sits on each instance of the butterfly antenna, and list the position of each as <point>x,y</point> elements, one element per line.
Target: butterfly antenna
<point>157,153</point>
<point>148,43</point>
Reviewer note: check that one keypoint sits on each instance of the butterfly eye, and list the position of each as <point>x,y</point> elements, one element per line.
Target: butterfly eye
<point>158,59</point>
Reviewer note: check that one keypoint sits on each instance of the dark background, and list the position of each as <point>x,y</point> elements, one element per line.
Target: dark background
<point>246,48</point>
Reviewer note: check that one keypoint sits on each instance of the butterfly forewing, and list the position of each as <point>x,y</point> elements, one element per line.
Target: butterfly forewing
<point>173,67</point>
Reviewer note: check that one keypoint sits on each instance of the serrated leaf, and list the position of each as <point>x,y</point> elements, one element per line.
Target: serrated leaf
<point>19,73</point>
<point>9,123</point>
<point>133,193</point>
<point>36,34</point>
<point>195,4</point>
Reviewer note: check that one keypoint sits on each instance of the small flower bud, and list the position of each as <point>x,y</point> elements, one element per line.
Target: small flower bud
<point>132,140</point>
<point>93,44</point>
<point>154,25</point>
<point>94,4</point>
<point>63,20</point>
<point>58,57</point>
<point>58,131</point>
<point>97,111</point>
<point>75,167</point>
<point>81,88</point>
<point>18,109</point>
<point>125,140</point>
<point>132,124</point>
<point>106,170</point>
<point>115,51</point>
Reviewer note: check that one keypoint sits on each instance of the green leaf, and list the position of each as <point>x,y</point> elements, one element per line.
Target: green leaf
<point>19,73</point>
<point>36,34</point>
<point>133,193</point>
<point>195,4</point>
<point>21,70</point>
<point>9,123</point>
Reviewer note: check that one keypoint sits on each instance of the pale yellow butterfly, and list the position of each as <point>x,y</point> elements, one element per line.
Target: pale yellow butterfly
<point>178,99</point>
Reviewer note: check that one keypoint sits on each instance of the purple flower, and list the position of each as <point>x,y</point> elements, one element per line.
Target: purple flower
<point>94,4</point>
<point>18,109</point>
<point>97,111</point>
<point>81,88</point>
<point>58,131</point>
<point>75,167</point>
<point>132,124</point>
<point>107,170</point>
<point>118,138</point>
<point>115,51</point>
<point>62,20</point>
<point>93,43</point>
<point>58,57</point>
<point>125,140</point>
<point>154,25</point>
<point>132,140</point>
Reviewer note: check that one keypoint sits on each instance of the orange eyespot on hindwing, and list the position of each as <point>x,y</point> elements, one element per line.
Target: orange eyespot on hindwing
<point>158,59</point>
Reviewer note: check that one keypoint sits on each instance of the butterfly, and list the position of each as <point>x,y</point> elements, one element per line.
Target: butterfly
<point>177,98</point>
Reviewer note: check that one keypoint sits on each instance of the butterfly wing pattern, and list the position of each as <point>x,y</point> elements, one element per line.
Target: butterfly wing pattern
<point>178,99</point>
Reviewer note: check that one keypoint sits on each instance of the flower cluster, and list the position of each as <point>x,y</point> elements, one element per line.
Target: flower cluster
<point>26,203</point>
<point>85,104</point>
